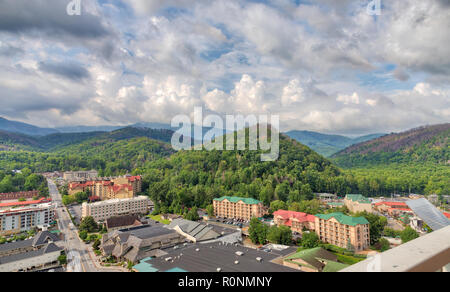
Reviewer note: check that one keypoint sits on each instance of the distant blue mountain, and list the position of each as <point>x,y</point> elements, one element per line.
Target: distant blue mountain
<point>23,128</point>
<point>328,145</point>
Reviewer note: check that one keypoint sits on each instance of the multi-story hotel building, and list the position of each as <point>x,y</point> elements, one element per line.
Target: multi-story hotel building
<point>24,217</point>
<point>297,221</point>
<point>108,189</point>
<point>238,208</point>
<point>342,230</point>
<point>358,203</point>
<point>80,175</point>
<point>103,210</point>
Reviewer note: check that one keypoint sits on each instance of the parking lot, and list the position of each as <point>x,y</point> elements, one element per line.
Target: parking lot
<point>233,222</point>
<point>75,211</point>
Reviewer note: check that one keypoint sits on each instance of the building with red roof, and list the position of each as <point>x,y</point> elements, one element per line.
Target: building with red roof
<point>109,188</point>
<point>446,215</point>
<point>297,221</point>
<point>393,208</point>
<point>24,203</point>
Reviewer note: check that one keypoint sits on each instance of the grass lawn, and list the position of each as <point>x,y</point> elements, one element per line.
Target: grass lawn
<point>158,218</point>
<point>349,260</point>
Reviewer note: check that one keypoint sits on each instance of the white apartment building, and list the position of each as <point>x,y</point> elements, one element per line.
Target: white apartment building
<point>103,210</point>
<point>17,220</point>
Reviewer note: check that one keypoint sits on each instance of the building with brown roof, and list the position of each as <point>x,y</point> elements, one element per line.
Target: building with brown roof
<point>122,222</point>
<point>137,243</point>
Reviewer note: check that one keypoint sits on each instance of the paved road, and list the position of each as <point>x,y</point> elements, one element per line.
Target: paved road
<point>77,252</point>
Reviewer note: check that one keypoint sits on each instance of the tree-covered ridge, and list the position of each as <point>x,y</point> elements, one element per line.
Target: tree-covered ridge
<point>54,142</point>
<point>109,157</point>
<point>195,178</point>
<point>422,145</point>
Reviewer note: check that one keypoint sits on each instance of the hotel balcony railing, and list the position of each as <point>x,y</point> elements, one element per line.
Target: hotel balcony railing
<point>428,253</point>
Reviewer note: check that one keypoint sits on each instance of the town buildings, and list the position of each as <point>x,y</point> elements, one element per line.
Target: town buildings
<point>393,208</point>
<point>137,243</point>
<point>17,217</point>
<point>31,254</point>
<point>342,230</point>
<point>80,175</point>
<point>122,222</point>
<point>103,210</point>
<point>107,189</point>
<point>358,203</point>
<point>297,221</point>
<point>19,195</point>
<point>238,208</point>
<point>213,257</point>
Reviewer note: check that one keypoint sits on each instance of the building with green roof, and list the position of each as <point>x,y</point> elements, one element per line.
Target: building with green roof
<point>314,260</point>
<point>249,201</point>
<point>344,219</point>
<point>238,208</point>
<point>343,231</point>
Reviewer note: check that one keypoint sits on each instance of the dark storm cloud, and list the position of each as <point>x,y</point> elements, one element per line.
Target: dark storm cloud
<point>71,71</point>
<point>49,17</point>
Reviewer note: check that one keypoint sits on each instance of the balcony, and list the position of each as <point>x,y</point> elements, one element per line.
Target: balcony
<point>429,253</point>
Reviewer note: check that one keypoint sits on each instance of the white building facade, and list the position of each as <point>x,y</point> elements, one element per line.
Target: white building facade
<point>17,220</point>
<point>103,210</point>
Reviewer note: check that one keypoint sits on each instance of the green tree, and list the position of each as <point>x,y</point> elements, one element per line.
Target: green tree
<point>210,210</point>
<point>257,231</point>
<point>62,259</point>
<point>384,244</point>
<point>310,240</point>
<point>408,234</point>
<point>277,205</point>
<point>88,224</point>
<point>376,225</point>
<point>83,234</point>
<point>192,214</point>
<point>280,235</point>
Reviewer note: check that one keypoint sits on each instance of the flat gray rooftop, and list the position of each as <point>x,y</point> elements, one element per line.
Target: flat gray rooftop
<point>212,256</point>
<point>146,231</point>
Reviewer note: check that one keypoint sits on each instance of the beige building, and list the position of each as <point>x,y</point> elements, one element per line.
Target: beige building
<point>103,210</point>
<point>238,208</point>
<point>80,175</point>
<point>344,231</point>
<point>108,189</point>
<point>358,203</point>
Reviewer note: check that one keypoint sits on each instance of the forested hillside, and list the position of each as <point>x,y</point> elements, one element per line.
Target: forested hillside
<point>112,153</point>
<point>422,145</point>
<point>327,145</point>
<point>194,178</point>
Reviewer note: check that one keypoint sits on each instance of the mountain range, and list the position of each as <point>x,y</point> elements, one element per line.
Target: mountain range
<point>427,144</point>
<point>322,143</point>
<point>325,144</point>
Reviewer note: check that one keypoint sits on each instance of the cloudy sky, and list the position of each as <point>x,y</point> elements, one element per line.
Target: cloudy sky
<point>321,65</point>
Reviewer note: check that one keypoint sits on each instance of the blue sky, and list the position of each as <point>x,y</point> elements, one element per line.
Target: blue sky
<point>321,65</point>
